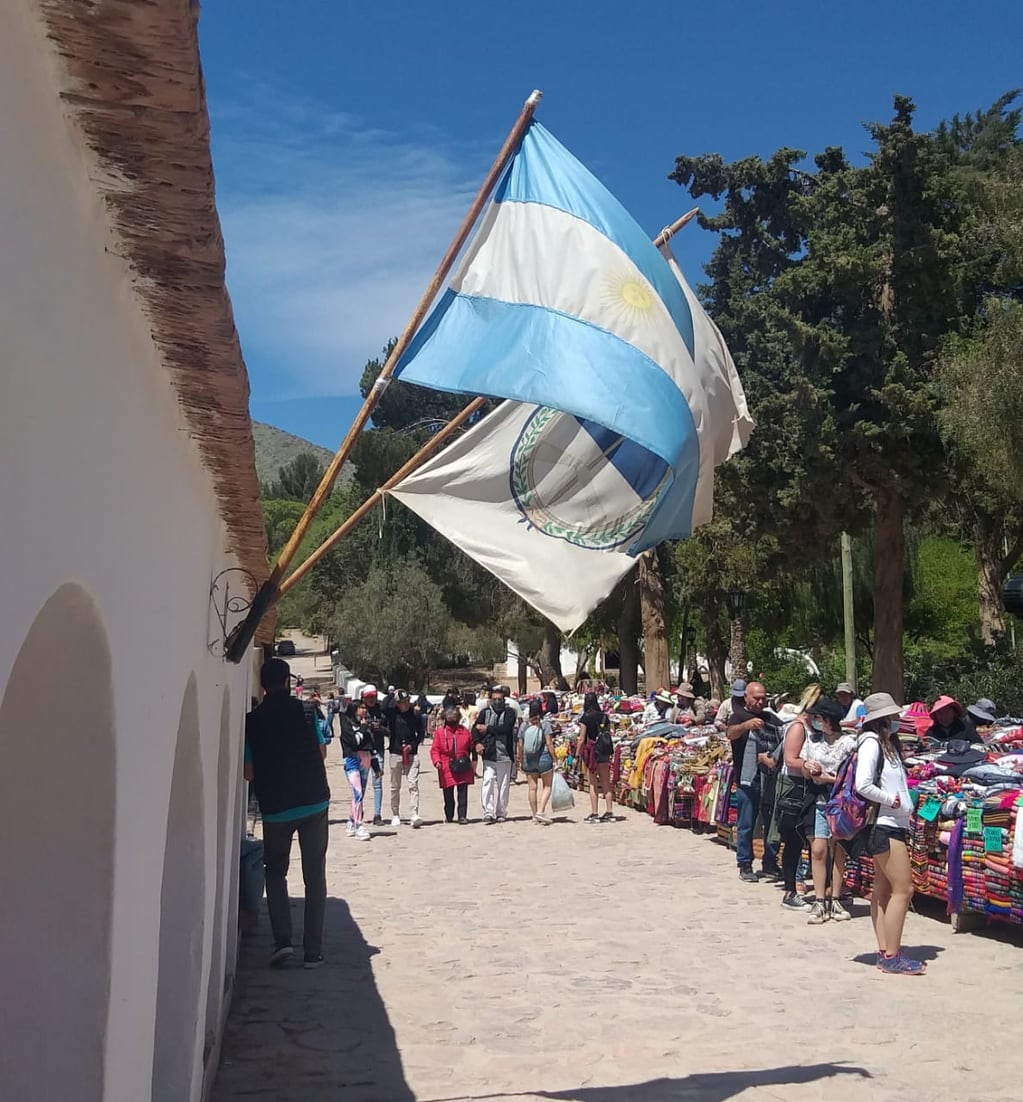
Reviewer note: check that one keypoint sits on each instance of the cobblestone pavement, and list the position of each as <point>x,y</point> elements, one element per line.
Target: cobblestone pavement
<point>613,963</point>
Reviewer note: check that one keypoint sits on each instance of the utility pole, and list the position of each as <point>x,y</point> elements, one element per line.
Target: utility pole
<point>847,609</point>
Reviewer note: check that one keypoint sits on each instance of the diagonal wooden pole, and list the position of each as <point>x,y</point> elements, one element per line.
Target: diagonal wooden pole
<point>406,469</point>
<point>241,637</point>
<point>669,231</point>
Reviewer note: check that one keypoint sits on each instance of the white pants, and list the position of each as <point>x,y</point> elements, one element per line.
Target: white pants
<point>496,785</point>
<point>412,772</point>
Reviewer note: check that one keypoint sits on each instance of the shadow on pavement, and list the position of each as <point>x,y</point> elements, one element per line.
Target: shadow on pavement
<point>305,1036</point>
<point>709,1087</point>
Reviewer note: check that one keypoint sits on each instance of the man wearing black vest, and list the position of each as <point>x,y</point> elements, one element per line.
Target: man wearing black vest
<point>284,755</point>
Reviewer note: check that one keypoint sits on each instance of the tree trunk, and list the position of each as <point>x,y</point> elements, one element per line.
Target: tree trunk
<point>889,571</point>
<point>628,635</point>
<point>716,652</point>
<point>737,650</point>
<point>523,672</point>
<point>987,551</point>
<point>549,658</point>
<point>655,633</point>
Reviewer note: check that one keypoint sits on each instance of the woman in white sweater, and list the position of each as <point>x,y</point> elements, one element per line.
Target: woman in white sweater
<point>881,778</point>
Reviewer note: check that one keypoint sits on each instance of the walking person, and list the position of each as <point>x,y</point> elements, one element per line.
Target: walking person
<point>822,755</point>
<point>597,750</point>
<point>284,755</point>
<point>378,728</point>
<point>495,731</point>
<point>451,754</point>
<point>357,748</point>
<point>536,759</point>
<point>881,778</point>
<point>407,730</point>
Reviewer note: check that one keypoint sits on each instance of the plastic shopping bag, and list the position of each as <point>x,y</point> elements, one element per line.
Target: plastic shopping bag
<point>561,795</point>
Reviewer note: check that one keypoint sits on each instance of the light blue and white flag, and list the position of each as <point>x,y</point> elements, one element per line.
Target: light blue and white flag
<point>623,395</point>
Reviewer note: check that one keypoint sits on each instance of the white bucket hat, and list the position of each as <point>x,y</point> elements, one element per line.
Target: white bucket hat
<point>880,706</point>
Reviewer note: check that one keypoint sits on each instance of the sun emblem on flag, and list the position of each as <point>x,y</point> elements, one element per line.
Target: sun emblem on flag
<point>576,493</point>
<point>626,296</point>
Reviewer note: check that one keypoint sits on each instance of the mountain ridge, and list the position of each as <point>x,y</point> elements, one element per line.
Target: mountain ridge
<point>276,448</point>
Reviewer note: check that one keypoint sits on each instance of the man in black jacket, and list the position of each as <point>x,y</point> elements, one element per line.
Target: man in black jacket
<point>378,727</point>
<point>284,755</point>
<point>496,728</point>
<point>407,728</point>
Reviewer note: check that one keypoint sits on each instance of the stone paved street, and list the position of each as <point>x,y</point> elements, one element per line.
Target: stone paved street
<point>610,963</point>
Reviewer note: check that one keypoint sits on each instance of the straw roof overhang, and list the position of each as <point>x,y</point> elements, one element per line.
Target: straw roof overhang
<point>132,82</point>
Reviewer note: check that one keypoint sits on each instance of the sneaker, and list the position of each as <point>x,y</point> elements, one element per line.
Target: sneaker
<point>396,821</point>
<point>819,914</point>
<point>415,822</point>
<point>350,829</point>
<point>488,820</point>
<point>592,819</point>
<point>362,834</point>
<point>462,822</point>
<point>837,911</point>
<point>794,902</point>
<point>314,962</point>
<point>377,821</point>
<point>609,817</point>
<point>771,872</point>
<point>501,819</point>
<point>901,966</point>
<point>747,874</point>
<point>543,820</point>
<point>281,954</point>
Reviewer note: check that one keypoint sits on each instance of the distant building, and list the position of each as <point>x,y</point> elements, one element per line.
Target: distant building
<point>127,483</point>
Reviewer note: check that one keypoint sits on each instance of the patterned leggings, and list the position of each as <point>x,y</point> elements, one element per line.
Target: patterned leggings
<point>357,771</point>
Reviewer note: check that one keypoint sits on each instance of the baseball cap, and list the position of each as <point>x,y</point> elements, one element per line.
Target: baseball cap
<point>368,690</point>
<point>845,687</point>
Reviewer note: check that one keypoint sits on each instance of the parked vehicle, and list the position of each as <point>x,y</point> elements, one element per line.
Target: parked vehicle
<point>286,648</point>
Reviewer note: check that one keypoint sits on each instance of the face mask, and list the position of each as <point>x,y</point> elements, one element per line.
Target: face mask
<point>817,725</point>
<point>497,705</point>
<point>894,726</point>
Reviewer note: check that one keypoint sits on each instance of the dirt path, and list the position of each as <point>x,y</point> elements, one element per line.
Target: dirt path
<point>611,963</point>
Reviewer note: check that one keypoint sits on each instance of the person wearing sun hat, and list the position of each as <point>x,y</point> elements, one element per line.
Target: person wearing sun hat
<point>949,721</point>
<point>881,779</point>
<point>983,713</point>
<point>846,696</point>
<point>661,708</point>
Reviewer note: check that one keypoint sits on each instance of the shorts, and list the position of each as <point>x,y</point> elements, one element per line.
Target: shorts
<point>820,823</point>
<point>541,765</point>
<point>880,841</point>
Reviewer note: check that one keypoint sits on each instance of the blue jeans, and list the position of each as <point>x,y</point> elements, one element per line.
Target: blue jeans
<point>747,798</point>
<point>378,787</point>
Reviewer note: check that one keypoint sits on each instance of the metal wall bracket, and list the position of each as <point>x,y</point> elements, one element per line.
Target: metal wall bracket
<point>228,607</point>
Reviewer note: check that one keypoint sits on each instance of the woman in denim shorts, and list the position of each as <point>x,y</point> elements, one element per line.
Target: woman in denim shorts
<point>822,756</point>
<point>881,778</point>
<point>536,760</point>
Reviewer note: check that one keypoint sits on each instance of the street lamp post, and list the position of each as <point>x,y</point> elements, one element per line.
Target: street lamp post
<point>688,642</point>
<point>737,647</point>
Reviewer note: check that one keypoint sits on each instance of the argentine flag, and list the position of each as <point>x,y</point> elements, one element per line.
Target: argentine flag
<point>621,396</point>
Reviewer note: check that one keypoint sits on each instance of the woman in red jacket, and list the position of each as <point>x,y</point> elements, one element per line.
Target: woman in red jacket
<point>451,753</point>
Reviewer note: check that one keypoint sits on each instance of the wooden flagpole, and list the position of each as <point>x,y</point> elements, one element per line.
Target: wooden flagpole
<point>415,462</point>
<point>669,231</point>
<point>242,635</point>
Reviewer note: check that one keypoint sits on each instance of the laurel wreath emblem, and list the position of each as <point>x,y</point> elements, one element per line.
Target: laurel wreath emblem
<point>538,514</point>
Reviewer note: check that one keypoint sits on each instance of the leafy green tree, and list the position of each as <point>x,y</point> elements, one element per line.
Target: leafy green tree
<point>297,480</point>
<point>395,625</point>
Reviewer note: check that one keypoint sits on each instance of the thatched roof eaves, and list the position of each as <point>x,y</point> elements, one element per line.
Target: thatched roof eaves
<point>132,82</point>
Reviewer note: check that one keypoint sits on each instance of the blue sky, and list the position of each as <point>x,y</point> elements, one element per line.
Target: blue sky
<point>348,139</point>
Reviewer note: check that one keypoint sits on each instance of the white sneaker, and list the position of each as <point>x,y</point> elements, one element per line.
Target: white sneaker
<point>350,829</point>
<point>414,822</point>
<point>396,821</point>
<point>363,835</point>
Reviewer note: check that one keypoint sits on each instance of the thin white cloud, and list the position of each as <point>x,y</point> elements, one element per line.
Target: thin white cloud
<point>333,229</point>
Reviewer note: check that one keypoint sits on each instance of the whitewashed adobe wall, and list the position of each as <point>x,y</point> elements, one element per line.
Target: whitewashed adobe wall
<point>120,735</point>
